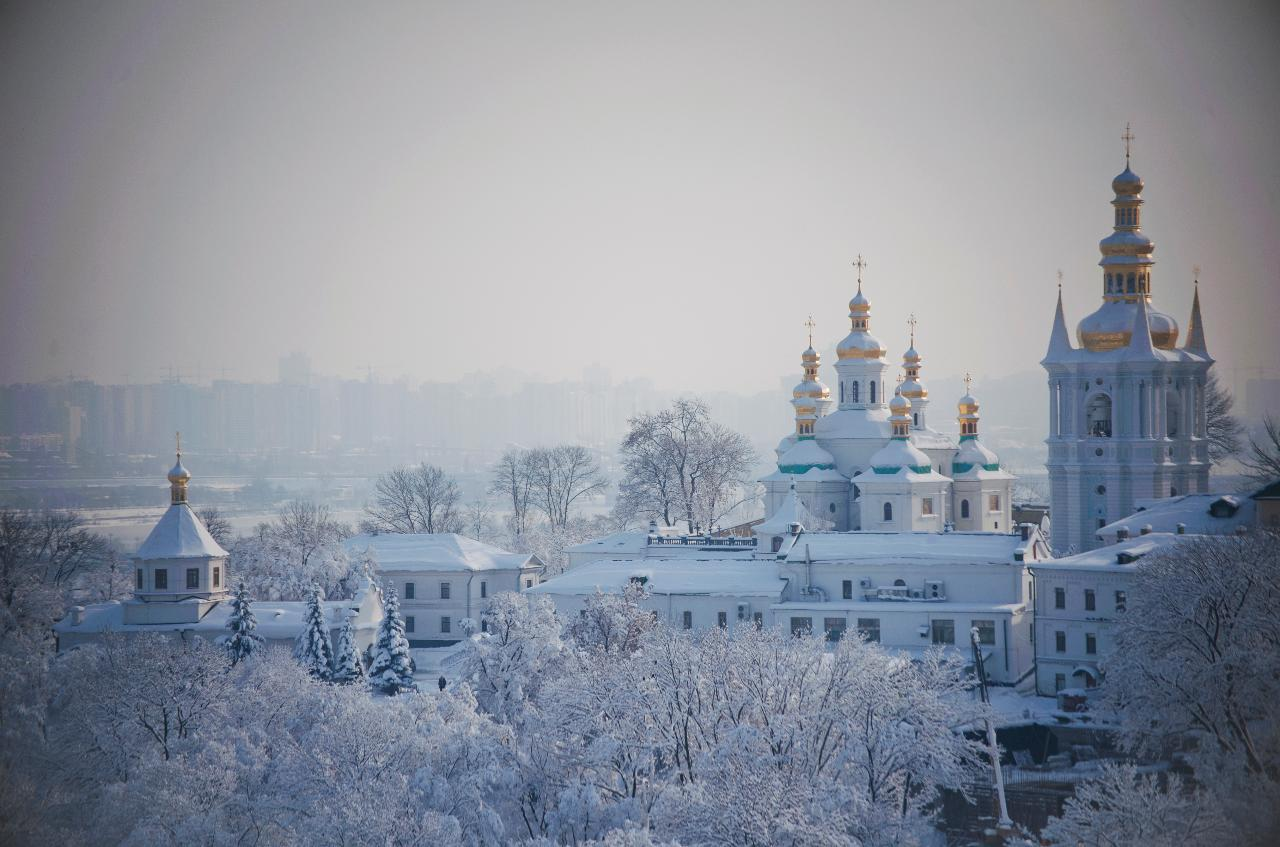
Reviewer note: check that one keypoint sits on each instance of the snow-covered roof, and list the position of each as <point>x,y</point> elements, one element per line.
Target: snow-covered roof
<point>1110,556</point>
<point>276,620</point>
<point>806,455</point>
<point>442,551</point>
<point>896,606</point>
<point>626,541</point>
<point>931,439</point>
<point>854,423</point>
<point>1191,510</point>
<point>791,510</point>
<point>900,454</point>
<point>923,547</point>
<point>713,577</point>
<point>179,534</point>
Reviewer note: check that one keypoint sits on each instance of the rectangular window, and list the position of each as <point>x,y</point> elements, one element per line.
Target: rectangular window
<point>1060,641</point>
<point>446,625</point>
<point>445,589</point>
<point>834,628</point>
<point>138,577</point>
<point>217,576</point>
<point>1090,600</point>
<point>1059,598</point>
<point>408,623</point>
<point>801,626</point>
<point>758,619</point>
<point>986,631</point>
<point>846,589</point>
<point>722,619</point>
<point>869,628</point>
<point>1120,601</point>
<point>162,579</point>
<point>993,503</point>
<point>484,586</point>
<point>410,590</point>
<point>528,583</point>
<point>926,506</point>
<point>1059,682</point>
<point>1091,644</point>
<point>944,631</point>
<point>193,577</point>
<point>686,620</point>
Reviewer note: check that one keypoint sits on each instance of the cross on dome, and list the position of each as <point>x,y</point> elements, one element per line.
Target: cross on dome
<point>1059,279</point>
<point>911,322</point>
<point>860,263</point>
<point>1127,138</point>
<point>810,324</point>
<point>968,383</point>
<point>1195,270</point>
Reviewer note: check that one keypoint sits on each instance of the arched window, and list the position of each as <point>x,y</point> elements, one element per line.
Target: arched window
<point>855,392</point>
<point>1132,284</point>
<point>915,417</point>
<point>873,392</point>
<point>899,583</point>
<point>888,511</point>
<point>964,508</point>
<point>1098,414</point>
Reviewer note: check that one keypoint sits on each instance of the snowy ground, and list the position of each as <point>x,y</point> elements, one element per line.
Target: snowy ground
<point>1014,708</point>
<point>431,663</point>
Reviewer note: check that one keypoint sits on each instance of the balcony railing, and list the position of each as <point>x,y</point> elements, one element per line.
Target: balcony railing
<point>705,542</point>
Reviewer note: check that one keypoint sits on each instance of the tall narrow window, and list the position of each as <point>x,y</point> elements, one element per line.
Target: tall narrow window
<point>1090,600</point>
<point>687,620</point>
<point>217,576</point>
<point>888,511</point>
<point>484,589</point>
<point>1091,644</point>
<point>162,579</point>
<point>1059,598</point>
<point>409,589</point>
<point>193,577</point>
<point>722,619</point>
<point>445,589</point>
<point>1098,413</point>
<point>846,589</point>
<point>1060,641</point>
<point>873,392</point>
<point>408,623</point>
<point>854,391</point>
<point>446,624</point>
<point>1121,601</point>
<point>139,579</point>
<point>964,508</point>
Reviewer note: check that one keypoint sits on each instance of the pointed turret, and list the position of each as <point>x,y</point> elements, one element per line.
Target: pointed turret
<point>1059,338</point>
<point>1140,346</point>
<point>1195,327</point>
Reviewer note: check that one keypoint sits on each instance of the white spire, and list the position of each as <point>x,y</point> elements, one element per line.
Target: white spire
<point>1195,327</point>
<point>1059,338</point>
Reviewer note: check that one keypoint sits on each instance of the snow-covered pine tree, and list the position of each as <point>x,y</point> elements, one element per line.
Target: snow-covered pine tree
<point>392,668</point>
<point>347,666</point>
<point>313,649</point>
<point>243,640</point>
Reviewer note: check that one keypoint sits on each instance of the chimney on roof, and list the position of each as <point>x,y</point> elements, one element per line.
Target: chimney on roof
<point>1182,529</point>
<point>1146,529</point>
<point>1122,534</point>
<point>1025,529</point>
<point>77,615</point>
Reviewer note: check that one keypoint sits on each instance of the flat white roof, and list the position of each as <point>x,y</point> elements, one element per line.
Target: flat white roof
<point>923,547</point>
<point>713,577</point>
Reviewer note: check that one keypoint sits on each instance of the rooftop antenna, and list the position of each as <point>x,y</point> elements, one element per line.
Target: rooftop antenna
<point>1127,138</point>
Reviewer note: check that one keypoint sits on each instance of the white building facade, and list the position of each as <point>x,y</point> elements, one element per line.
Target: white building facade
<point>443,579</point>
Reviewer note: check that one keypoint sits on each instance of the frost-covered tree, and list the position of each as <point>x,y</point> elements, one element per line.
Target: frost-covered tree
<point>243,641</point>
<point>301,548</point>
<point>348,667</point>
<point>680,464</point>
<point>1123,807</point>
<point>421,499</point>
<point>1262,457</point>
<point>1222,429</point>
<point>613,623</point>
<point>1197,658</point>
<point>519,650</point>
<point>313,650</point>
<point>391,671</point>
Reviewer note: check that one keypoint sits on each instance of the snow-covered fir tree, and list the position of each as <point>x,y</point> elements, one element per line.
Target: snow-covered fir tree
<point>243,640</point>
<point>392,669</point>
<point>347,665</point>
<point>313,649</point>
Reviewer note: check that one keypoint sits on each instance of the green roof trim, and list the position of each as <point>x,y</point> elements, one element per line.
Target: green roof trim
<point>961,467</point>
<point>800,469</point>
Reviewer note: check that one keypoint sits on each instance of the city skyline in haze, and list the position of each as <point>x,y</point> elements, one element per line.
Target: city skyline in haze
<point>667,191</point>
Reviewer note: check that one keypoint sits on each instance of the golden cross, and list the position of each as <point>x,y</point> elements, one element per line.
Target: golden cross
<point>860,264</point>
<point>1127,138</point>
<point>810,324</point>
<point>968,384</point>
<point>911,322</point>
<point>178,436</point>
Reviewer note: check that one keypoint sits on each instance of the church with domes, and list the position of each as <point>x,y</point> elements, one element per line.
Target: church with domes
<point>1127,416</point>
<point>869,460</point>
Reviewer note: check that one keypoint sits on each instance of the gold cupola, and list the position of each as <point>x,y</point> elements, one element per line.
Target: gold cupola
<point>179,476</point>
<point>860,343</point>
<point>1126,273</point>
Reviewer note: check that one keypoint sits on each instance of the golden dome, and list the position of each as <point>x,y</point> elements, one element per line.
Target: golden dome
<point>1111,327</point>
<point>968,405</point>
<point>809,356</point>
<point>179,474</point>
<point>1127,182</point>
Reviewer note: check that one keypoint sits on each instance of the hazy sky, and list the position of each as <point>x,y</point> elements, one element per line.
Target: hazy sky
<point>666,189</point>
